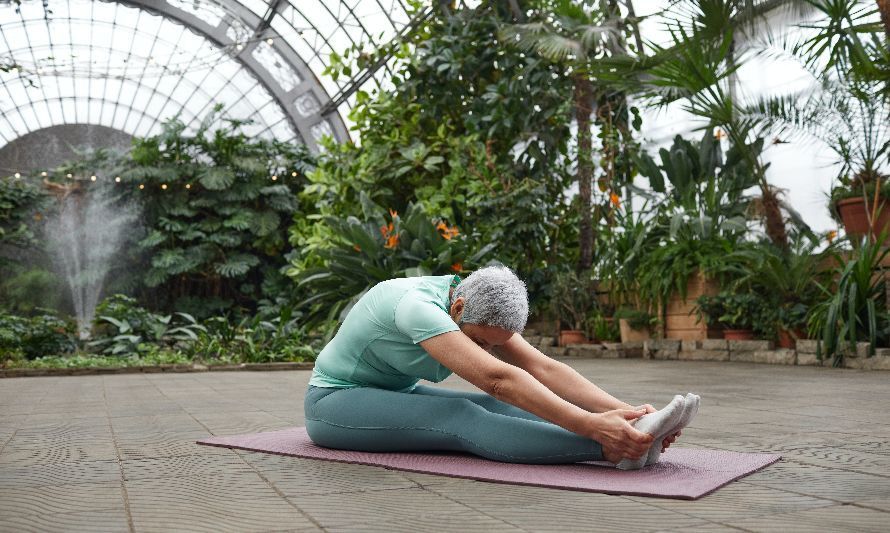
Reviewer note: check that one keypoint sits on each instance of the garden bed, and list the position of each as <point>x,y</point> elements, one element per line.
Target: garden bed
<point>152,369</point>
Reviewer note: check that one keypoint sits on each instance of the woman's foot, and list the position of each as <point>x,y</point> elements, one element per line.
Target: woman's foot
<point>690,409</point>
<point>657,424</point>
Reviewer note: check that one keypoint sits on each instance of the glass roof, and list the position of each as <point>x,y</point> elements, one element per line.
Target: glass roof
<point>131,65</point>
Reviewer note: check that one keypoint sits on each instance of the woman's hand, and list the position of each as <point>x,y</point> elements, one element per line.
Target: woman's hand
<point>619,439</point>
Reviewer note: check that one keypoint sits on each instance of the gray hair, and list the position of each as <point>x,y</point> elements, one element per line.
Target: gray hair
<point>494,296</point>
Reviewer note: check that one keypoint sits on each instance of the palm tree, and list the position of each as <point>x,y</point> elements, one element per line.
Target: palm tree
<point>576,33</point>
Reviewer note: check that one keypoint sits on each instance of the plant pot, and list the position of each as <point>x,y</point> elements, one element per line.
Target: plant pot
<point>572,336</point>
<point>628,334</point>
<point>738,334</point>
<point>855,217</point>
<point>788,339</point>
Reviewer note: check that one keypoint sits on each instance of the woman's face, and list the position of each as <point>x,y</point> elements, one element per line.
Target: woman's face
<point>487,337</point>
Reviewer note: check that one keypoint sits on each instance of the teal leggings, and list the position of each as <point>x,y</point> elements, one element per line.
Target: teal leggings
<point>434,419</point>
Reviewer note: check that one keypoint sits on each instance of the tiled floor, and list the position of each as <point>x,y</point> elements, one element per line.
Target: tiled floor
<point>117,453</point>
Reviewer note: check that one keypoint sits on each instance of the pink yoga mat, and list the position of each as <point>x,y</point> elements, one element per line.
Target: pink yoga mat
<point>683,473</point>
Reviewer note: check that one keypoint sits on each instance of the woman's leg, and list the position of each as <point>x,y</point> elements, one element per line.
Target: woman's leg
<point>486,401</point>
<point>378,420</point>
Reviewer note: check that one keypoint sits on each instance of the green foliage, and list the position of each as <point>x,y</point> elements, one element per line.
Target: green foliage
<point>604,330</point>
<point>573,299</point>
<point>152,357</point>
<point>20,205</point>
<point>130,329</point>
<point>215,222</point>
<point>359,253</point>
<point>853,306</point>
<point>738,311</point>
<point>473,131</point>
<point>636,318</point>
<point>37,336</point>
<point>789,280</point>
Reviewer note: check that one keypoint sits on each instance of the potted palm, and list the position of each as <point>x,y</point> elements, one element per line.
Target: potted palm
<point>742,315</point>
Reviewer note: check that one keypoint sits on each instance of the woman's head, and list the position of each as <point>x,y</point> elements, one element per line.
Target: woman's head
<point>493,297</point>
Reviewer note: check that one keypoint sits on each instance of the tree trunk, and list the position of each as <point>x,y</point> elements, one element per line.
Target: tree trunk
<point>772,214</point>
<point>884,8</point>
<point>583,109</point>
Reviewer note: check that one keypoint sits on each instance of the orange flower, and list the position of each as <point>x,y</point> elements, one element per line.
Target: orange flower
<point>392,241</point>
<point>457,267</point>
<point>357,248</point>
<point>719,134</point>
<point>446,232</point>
<point>831,235</point>
<point>386,230</point>
<point>615,199</point>
<point>393,213</point>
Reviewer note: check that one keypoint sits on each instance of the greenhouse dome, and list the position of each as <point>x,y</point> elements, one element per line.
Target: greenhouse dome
<point>107,71</point>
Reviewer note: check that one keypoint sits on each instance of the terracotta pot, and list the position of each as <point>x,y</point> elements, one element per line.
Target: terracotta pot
<point>787,339</point>
<point>738,334</point>
<point>853,215</point>
<point>628,334</point>
<point>572,336</point>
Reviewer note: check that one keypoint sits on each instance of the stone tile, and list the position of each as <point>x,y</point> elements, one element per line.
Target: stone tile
<point>296,476</point>
<point>13,455</point>
<point>240,422</point>
<point>467,521</point>
<point>58,499</point>
<point>736,501</point>
<point>227,502</point>
<point>87,521</point>
<point>539,509</point>
<point>360,508</point>
<point>12,477</point>
<point>830,519</point>
<point>820,482</point>
<point>166,444</point>
<point>184,465</point>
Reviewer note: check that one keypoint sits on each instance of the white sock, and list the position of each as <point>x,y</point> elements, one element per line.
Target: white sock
<point>690,409</point>
<point>657,424</point>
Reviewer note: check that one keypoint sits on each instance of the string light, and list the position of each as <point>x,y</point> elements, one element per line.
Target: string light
<point>17,175</point>
<point>294,174</point>
<point>188,185</point>
<point>274,178</point>
<point>269,41</point>
<point>117,179</point>
<point>141,186</point>
<point>164,186</point>
<point>43,174</point>
<point>69,175</point>
<point>92,178</point>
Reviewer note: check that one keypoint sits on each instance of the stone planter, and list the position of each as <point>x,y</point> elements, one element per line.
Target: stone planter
<point>855,217</point>
<point>628,334</point>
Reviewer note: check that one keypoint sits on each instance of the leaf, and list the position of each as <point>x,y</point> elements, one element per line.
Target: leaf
<point>217,178</point>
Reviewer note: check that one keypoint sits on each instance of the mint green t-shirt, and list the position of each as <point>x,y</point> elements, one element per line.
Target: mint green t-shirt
<point>377,344</point>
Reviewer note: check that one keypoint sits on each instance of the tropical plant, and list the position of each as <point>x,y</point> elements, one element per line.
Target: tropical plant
<point>636,319</point>
<point>121,326</point>
<point>215,209</point>
<point>788,279</point>
<point>477,134</point>
<point>854,305</point>
<point>573,299</point>
<point>36,336</point>
<point>737,310</point>
<point>359,253</point>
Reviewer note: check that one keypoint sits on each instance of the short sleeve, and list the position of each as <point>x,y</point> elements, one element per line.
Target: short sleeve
<point>421,319</point>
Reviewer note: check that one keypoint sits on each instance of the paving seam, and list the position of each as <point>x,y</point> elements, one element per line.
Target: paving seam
<point>835,502</point>
<point>120,464</point>
<point>682,513</point>
<point>428,489</point>
<point>257,472</point>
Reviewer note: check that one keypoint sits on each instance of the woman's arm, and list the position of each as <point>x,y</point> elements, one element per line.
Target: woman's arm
<point>512,384</point>
<point>559,377</point>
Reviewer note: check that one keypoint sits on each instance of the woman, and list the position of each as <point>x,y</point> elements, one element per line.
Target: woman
<point>364,396</point>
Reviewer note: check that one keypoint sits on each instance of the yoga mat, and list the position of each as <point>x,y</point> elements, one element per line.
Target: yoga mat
<point>682,473</point>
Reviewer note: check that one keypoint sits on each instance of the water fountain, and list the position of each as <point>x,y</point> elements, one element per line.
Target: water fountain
<point>83,237</point>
